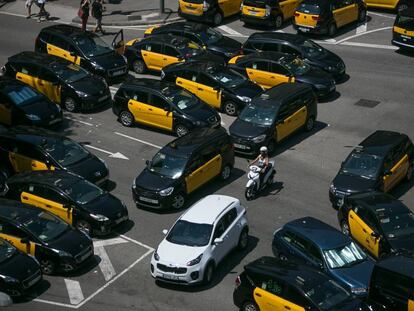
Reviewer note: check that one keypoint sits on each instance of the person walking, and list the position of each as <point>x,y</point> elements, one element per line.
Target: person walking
<point>84,9</point>
<point>97,9</point>
<point>29,4</point>
<point>42,10</point>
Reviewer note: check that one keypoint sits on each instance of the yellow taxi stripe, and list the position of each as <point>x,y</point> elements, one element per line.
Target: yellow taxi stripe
<point>403,31</point>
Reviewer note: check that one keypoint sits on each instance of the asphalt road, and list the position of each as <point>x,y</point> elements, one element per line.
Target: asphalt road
<point>306,164</point>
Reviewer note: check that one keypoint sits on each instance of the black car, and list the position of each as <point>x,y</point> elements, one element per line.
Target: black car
<point>274,116</point>
<point>270,284</point>
<point>380,223</point>
<point>183,166</point>
<point>62,82</point>
<point>3,183</point>
<point>380,162</point>
<point>70,197</point>
<point>205,36</point>
<point>403,30</point>
<point>83,48</point>
<point>296,45</point>
<point>162,105</point>
<point>269,69</point>
<point>55,244</point>
<point>218,86</point>
<point>30,149</point>
<point>22,105</point>
<point>312,242</point>
<point>19,273</point>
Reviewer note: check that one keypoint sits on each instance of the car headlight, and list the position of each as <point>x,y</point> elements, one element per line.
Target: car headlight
<point>8,279</point>
<point>156,256</point>
<point>81,94</point>
<point>332,188</point>
<point>244,99</point>
<point>134,183</point>
<point>97,67</point>
<point>358,290</point>
<point>33,117</point>
<point>259,138</point>
<point>62,253</point>
<point>195,261</point>
<point>99,217</point>
<point>162,74</point>
<point>166,192</point>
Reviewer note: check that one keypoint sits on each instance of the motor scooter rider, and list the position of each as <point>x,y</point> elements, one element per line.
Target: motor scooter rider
<point>262,161</point>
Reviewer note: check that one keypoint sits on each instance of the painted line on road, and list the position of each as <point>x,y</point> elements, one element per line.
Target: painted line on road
<point>116,155</point>
<point>369,45</point>
<point>136,242</point>
<point>74,291</point>
<point>102,243</point>
<point>76,120</point>
<point>382,15</point>
<point>361,28</point>
<point>229,30</point>
<point>105,265</point>
<point>362,34</point>
<point>138,140</point>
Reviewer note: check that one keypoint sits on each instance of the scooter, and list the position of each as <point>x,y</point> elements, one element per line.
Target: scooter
<point>254,185</point>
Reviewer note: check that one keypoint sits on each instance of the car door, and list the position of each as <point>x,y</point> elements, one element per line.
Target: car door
<point>170,55</point>
<point>15,236</point>
<point>6,110</point>
<point>59,47</point>
<point>188,80</point>
<point>49,200</point>
<point>151,53</point>
<point>280,74</point>
<point>220,250</point>
<point>208,90</point>
<point>194,174</point>
<point>259,72</point>
<point>234,228</point>
<point>136,100</point>
<point>157,112</point>
<point>227,7</point>
<point>297,247</point>
<point>339,12</point>
<point>395,167</point>
<point>284,122</point>
<point>23,157</point>
<point>288,7</point>
<point>48,84</point>
<point>212,162</point>
<point>300,113</point>
<point>118,43</point>
<point>27,73</point>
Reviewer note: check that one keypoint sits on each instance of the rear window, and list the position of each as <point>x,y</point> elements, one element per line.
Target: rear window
<point>193,1</point>
<point>405,22</point>
<point>309,9</point>
<point>255,3</point>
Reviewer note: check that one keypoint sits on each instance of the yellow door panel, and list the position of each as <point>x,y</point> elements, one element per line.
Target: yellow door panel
<point>390,4</point>
<point>57,51</point>
<point>21,163</point>
<point>156,117</point>
<point>209,95</point>
<point>229,7</point>
<point>194,180</point>
<point>5,113</point>
<point>307,20</point>
<point>403,31</point>
<point>212,168</point>
<point>410,305</point>
<point>288,8</point>
<point>134,107</point>
<point>191,8</point>
<point>26,78</point>
<point>53,207</point>
<point>52,91</point>
<point>152,60</point>
<point>398,172</point>
<point>299,117</point>
<point>339,16</point>
<point>167,60</point>
<point>189,85</point>
<point>270,302</point>
<point>286,128</point>
<point>361,232</point>
<point>28,248</point>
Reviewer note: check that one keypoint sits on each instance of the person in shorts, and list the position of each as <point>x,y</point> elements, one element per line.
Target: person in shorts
<point>29,4</point>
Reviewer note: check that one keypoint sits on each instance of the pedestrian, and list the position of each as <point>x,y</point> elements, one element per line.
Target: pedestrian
<point>29,4</point>
<point>84,12</point>
<point>97,9</point>
<point>42,11</point>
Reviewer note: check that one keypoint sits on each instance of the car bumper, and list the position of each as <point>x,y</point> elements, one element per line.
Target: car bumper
<point>314,30</point>
<point>92,103</point>
<point>68,264</point>
<point>151,200</point>
<point>106,227</point>
<point>403,45</point>
<point>205,17</point>
<point>260,21</point>
<point>245,147</point>
<point>337,199</point>
<point>321,93</point>
<point>165,273</point>
<point>23,288</point>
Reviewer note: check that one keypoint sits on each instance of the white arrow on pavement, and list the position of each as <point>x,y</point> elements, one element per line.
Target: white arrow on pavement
<point>116,155</point>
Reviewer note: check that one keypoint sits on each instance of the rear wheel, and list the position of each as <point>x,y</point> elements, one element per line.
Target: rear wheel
<point>178,201</point>
<point>138,66</point>
<point>279,21</point>
<point>84,226</point>
<point>409,175</point>
<point>332,30</point>
<point>345,227</point>
<point>362,15</point>
<point>249,193</point>
<point>70,104</point>
<point>217,19</point>
<point>243,240</point>
<point>230,108</point>
<point>181,130</point>
<point>249,306</point>
<point>225,172</point>
<point>48,266</point>
<point>310,124</point>
<point>126,118</point>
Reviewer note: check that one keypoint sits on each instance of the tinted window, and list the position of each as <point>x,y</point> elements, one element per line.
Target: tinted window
<point>264,66</point>
<point>362,164</point>
<point>195,163</point>
<point>220,228</point>
<point>294,296</point>
<point>230,216</point>
<point>47,75</point>
<point>190,234</point>
<point>140,96</point>
<point>276,68</point>
<point>314,253</point>
<point>157,101</point>
<point>47,193</point>
<point>269,47</point>
<point>283,112</point>
<point>272,286</point>
<point>170,51</point>
<point>188,75</point>
<point>9,229</point>
<point>208,153</point>
<point>309,9</point>
<point>405,22</point>
<point>57,41</point>
<point>295,241</point>
<point>206,80</point>
<point>29,70</point>
<point>29,151</point>
<point>289,50</point>
<point>153,47</point>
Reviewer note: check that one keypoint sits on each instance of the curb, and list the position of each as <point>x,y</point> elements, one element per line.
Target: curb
<point>76,20</point>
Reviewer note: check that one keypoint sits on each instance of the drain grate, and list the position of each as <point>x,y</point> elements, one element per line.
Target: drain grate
<point>367,103</point>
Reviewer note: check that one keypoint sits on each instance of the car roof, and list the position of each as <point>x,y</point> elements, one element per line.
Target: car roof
<point>153,84</point>
<point>39,58</point>
<point>268,55</point>
<point>400,263</point>
<point>189,143</point>
<point>409,12</point>
<point>190,26</point>
<point>67,30</point>
<point>267,35</point>
<point>320,3</point>
<point>31,135</point>
<point>320,233</point>
<point>166,38</point>
<point>57,178</point>
<point>208,209</point>
<point>280,93</point>
<point>380,203</point>
<point>16,211</point>
<point>381,142</point>
<point>197,65</point>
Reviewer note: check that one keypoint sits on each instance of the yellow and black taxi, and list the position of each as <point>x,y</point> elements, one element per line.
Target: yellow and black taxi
<point>299,46</point>
<point>34,149</point>
<point>273,116</point>
<point>398,5</point>
<point>183,166</point>
<point>326,16</point>
<point>70,197</point>
<point>157,51</point>
<point>205,36</point>
<point>380,162</point>
<point>55,244</point>
<point>403,30</point>
<point>378,222</point>
<point>214,83</point>
<point>20,104</point>
<point>162,105</point>
<point>211,11</point>
<point>62,82</point>
<point>271,13</point>
<point>268,284</point>
<point>19,273</point>
<point>82,48</point>
<point>269,69</point>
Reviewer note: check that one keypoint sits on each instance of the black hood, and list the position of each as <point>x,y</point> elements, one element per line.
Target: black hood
<point>153,182</point>
<point>245,129</point>
<point>226,45</point>
<point>247,88</point>
<point>109,61</point>
<point>201,112</point>
<point>328,59</point>
<point>91,85</point>
<point>44,109</point>
<point>316,76</point>
<point>106,205</point>
<point>19,266</point>
<point>208,56</point>
<point>351,304</point>
<point>403,243</point>
<point>89,167</point>
<point>72,242</point>
<point>352,183</point>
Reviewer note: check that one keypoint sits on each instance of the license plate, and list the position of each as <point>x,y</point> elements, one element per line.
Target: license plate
<point>34,281</point>
<point>118,221</point>
<point>340,202</point>
<point>253,13</point>
<point>144,199</point>
<point>303,29</point>
<point>238,146</point>
<point>190,8</point>
<point>170,277</point>
<point>118,72</point>
<point>103,98</point>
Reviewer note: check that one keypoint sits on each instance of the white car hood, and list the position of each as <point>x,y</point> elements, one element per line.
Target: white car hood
<point>177,254</point>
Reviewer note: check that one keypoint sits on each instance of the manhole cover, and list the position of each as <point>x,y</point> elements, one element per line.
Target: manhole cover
<point>367,103</point>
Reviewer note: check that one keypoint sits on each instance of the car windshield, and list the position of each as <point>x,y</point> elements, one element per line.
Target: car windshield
<point>190,234</point>
<point>311,49</point>
<point>344,256</point>
<point>46,227</point>
<point>22,95</point>
<point>181,98</point>
<point>296,65</point>
<point>209,36</point>
<point>168,165</point>
<point>65,152</point>
<point>405,22</point>
<point>70,73</point>
<point>258,115</point>
<point>309,9</point>
<point>326,295</point>
<point>362,164</point>
<point>396,225</point>
<point>83,192</point>
<point>92,45</point>
<point>6,250</point>
<point>189,49</point>
<point>229,78</point>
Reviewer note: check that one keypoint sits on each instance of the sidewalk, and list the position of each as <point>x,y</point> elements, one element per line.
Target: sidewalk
<point>118,12</point>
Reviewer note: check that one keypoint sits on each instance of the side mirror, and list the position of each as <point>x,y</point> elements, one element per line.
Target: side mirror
<point>375,235</point>
<point>217,88</point>
<point>165,231</point>
<point>217,241</point>
<point>280,122</point>
<point>68,206</point>
<point>387,172</point>
<point>167,108</point>
<point>25,240</point>
<point>73,54</point>
<point>148,162</point>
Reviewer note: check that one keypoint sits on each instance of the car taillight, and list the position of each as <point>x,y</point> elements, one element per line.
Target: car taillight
<point>297,14</point>
<point>316,18</point>
<point>237,282</point>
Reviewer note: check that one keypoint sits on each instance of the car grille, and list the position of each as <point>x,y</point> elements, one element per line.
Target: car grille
<point>340,194</point>
<point>29,281</point>
<point>112,72</point>
<point>175,270</point>
<point>80,257</point>
<point>145,193</point>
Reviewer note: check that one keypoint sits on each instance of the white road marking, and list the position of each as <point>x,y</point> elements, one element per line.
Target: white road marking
<point>279,30</point>
<point>369,45</point>
<point>330,40</point>
<point>138,140</point>
<point>102,243</point>
<point>229,30</point>
<point>80,121</point>
<point>361,28</point>
<point>105,265</point>
<point>74,291</point>
<point>116,155</point>
<point>382,15</point>
<point>149,15</point>
<point>361,34</point>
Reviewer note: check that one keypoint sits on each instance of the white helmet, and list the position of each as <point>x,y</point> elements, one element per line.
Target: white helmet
<point>263,149</point>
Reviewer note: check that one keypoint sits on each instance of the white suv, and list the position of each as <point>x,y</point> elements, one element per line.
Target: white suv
<point>199,240</point>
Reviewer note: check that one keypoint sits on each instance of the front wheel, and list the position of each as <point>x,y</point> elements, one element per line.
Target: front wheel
<point>249,306</point>
<point>208,273</point>
<point>225,172</point>
<point>84,226</point>
<point>250,193</point>
<point>48,266</point>
<point>230,108</point>
<point>332,30</point>
<point>310,124</point>
<point>278,21</point>
<point>217,19</point>
<point>70,104</point>
<point>362,15</point>
<point>138,66</point>
<point>181,130</point>
<point>178,201</point>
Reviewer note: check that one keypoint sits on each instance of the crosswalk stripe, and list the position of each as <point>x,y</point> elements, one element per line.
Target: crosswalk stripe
<point>361,28</point>
<point>106,265</point>
<point>74,291</point>
<point>229,30</point>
